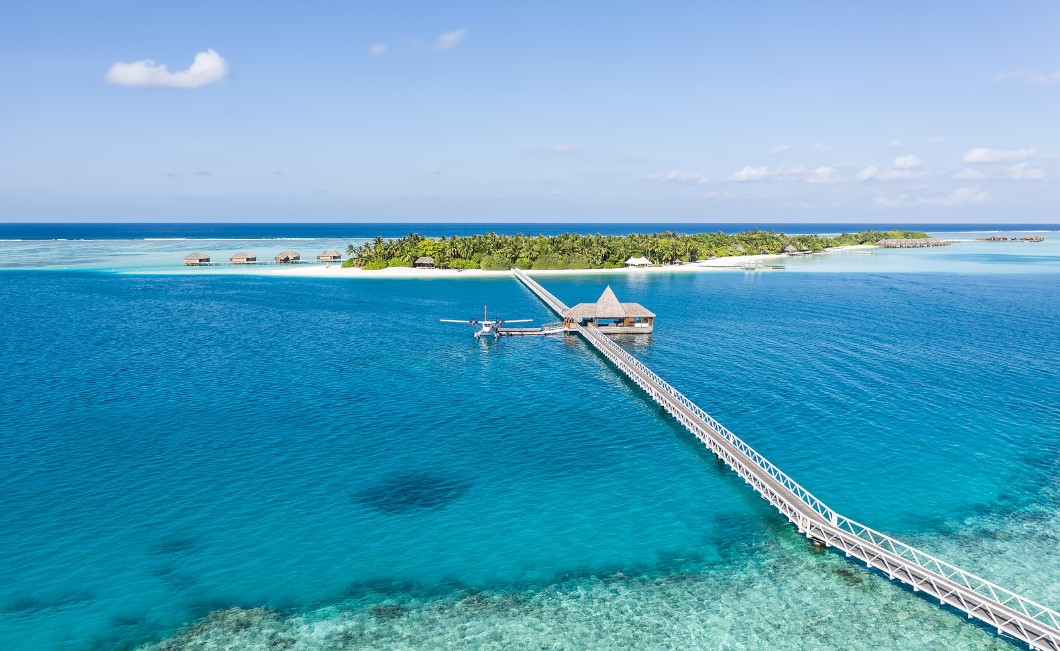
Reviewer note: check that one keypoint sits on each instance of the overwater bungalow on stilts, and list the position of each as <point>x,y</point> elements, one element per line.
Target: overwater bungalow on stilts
<point>243,257</point>
<point>288,257</point>
<point>196,259</point>
<point>331,255</point>
<point>610,316</point>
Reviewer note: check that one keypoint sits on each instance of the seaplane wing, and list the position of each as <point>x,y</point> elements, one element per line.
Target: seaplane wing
<point>454,321</point>
<point>518,320</point>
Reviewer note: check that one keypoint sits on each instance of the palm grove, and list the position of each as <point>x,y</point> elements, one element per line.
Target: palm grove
<point>573,251</point>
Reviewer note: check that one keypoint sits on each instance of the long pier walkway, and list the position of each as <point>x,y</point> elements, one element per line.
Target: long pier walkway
<point>1001,609</point>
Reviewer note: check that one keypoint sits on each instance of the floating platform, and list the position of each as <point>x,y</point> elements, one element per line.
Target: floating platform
<point>556,328</point>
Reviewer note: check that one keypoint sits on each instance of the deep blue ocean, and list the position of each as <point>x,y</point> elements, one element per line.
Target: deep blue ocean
<point>326,456</point>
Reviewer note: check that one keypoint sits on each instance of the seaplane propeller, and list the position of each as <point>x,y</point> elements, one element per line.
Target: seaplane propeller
<point>487,326</point>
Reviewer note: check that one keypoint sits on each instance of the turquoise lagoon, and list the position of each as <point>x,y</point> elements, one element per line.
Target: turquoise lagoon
<point>201,460</point>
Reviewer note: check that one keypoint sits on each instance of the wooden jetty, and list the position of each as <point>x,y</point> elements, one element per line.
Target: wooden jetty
<point>913,243</point>
<point>1010,614</point>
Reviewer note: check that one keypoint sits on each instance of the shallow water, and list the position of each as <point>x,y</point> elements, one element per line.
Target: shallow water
<point>177,445</point>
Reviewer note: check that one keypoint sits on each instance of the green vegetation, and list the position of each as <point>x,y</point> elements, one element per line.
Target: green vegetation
<point>573,251</point>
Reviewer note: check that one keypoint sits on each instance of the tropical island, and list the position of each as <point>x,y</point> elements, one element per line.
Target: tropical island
<point>493,252</point>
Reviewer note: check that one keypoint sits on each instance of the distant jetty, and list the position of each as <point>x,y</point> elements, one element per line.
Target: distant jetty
<point>913,243</point>
<point>1003,238</point>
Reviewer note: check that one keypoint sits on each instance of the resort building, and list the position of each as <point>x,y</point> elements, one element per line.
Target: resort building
<point>331,255</point>
<point>243,257</point>
<point>196,259</point>
<point>791,250</point>
<point>638,262</point>
<point>610,316</point>
<point>288,256</point>
<point>426,262</point>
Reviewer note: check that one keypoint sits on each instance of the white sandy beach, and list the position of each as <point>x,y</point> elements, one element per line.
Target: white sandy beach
<point>336,271</point>
<point>729,263</point>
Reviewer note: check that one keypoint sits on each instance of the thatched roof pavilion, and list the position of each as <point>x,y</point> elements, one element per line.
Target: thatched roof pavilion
<point>790,250</point>
<point>331,255</point>
<point>619,318</point>
<point>288,256</point>
<point>195,259</point>
<point>243,257</point>
<point>426,262</point>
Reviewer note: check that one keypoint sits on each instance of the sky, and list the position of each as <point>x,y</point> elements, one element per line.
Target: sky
<point>876,112</point>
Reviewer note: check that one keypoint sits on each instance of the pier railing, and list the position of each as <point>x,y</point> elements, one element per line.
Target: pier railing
<point>1008,612</point>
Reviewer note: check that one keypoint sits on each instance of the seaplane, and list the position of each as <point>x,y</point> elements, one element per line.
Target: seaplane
<point>487,327</point>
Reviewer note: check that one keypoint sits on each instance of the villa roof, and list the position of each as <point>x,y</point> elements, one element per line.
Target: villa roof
<point>197,256</point>
<point>425,260</point>
<point>790,249</point>
<point>242,254</point>
<point>607,307</point>
<point>330,252</point>
<point>288,253</point>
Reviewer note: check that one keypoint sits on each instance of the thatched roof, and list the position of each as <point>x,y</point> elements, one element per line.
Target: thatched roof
<point>288,255</point>
<point>739,248</point>
<point>425,260</point>
<point>790,249</point>
<point>243,255</point>
<point>330,253</point>
<point>607,307</point>
<point>198,257</point>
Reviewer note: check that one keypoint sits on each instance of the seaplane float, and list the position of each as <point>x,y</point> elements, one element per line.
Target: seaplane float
<point>487,327</point>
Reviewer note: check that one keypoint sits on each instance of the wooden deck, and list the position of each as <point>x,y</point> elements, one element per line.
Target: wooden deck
<point>1010,614</point>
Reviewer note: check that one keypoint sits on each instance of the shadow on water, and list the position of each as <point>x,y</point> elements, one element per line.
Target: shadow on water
<point>408,493</point>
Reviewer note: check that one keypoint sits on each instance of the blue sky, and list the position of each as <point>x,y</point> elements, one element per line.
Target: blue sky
<point>546,111</point>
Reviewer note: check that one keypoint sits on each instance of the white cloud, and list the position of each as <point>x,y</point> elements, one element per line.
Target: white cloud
<point>969,174</point>
<point>749,173</point>
<point>987,155</point>
<point>895,144</point>
<point>675,176</point>
<point>779,149</point>
<point>963,196</point>
<point>378,49</point>
<point>822,175</point>
<point>821,148</point>
<point>208,67</point>
<point>902,169</point>
<point>910,162</point>
<point>959,197</point>
<point>796,173</point>
<point>890,202</point>
<point>1024,172</point>
<point>868,173</point>
<point>451,39</point>
<point>1036,78</point>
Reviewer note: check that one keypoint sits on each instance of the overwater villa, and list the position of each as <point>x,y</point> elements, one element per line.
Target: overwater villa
<point>610,316</point>
<point>243,257</point>
<point>196,259</point>
<point>288,256</point>
<point>331,255</point>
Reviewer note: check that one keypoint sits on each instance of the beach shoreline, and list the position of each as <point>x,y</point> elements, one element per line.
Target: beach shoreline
<point>728,263</point>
